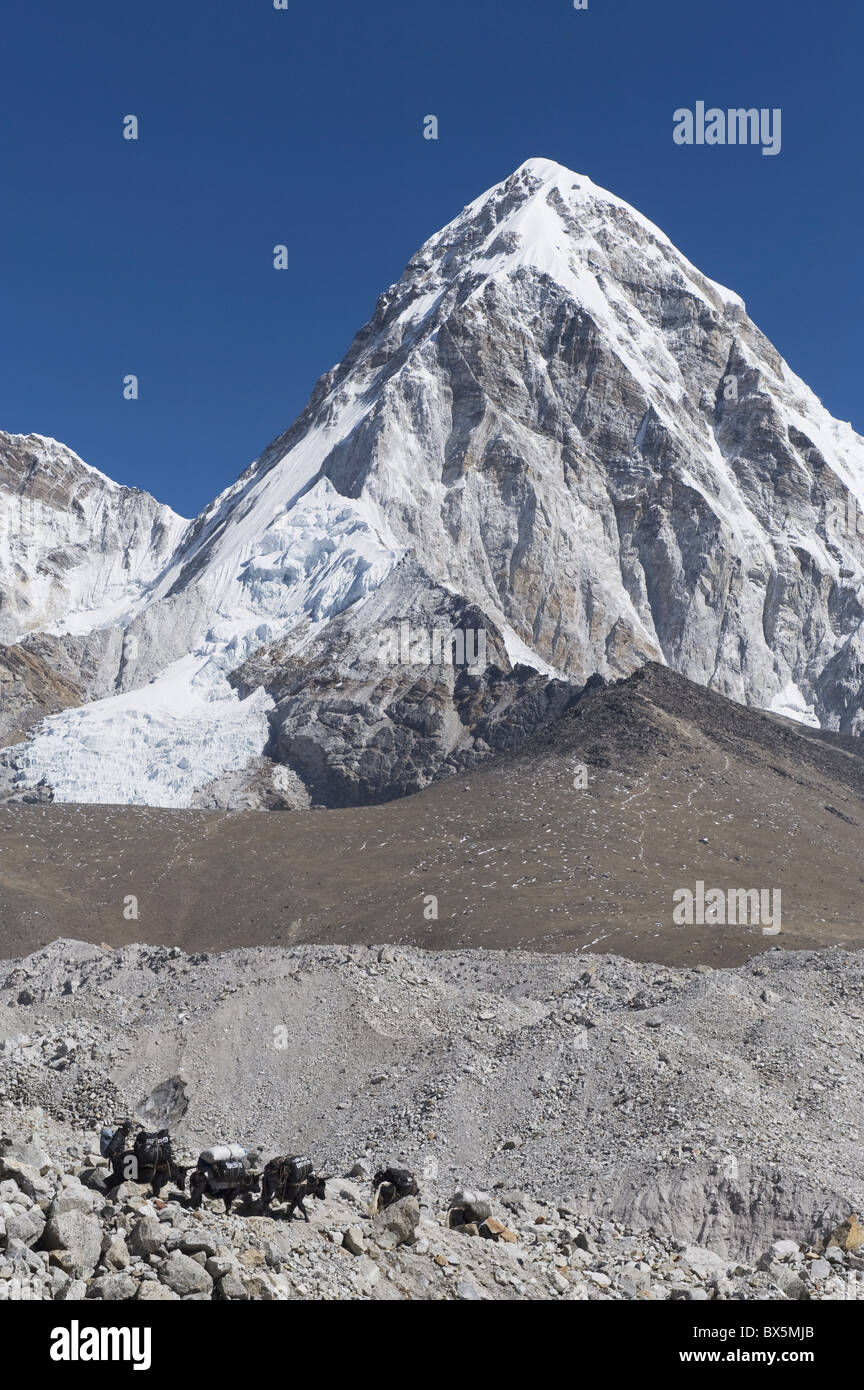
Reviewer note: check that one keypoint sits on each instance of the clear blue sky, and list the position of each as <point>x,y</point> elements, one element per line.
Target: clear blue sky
<point>304,127</point>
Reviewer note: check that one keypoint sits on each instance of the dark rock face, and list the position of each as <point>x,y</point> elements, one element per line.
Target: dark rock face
<point>359,724</point>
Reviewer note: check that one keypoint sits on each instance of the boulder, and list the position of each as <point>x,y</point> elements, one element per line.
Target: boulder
<point>232,1286</point>
<point>147,1236</point>
<point>788,1280</point>
<point>28,1178</point>
<point>24,1151</point>
<point>17,1223</point>
<point>354,1240</point>
<point>397,1225</point>
<point>153,1292</point>
<point>184,1275</point>
<point>786,1250</point>
<point>113,1288</point>
<point>848,1236</point>
<point>75,1241</point>
<point>76,1197</point>
<point>705,1263</point>
<point>116,1254</point>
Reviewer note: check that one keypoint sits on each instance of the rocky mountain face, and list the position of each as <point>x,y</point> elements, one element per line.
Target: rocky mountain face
<point>29,689</point>
<point>361,721</point>
<point>553,424</point>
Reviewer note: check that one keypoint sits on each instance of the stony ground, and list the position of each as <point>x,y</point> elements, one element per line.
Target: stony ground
<point>61,1239</point>
<point>642,1108</point>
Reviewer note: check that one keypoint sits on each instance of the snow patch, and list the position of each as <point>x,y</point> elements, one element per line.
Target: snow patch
<point>791,703</point>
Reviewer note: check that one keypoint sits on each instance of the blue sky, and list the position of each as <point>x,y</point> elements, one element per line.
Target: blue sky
<point>304,127</point>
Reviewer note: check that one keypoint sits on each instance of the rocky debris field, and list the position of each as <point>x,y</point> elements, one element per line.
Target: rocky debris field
<point>61,1238</point>
<point>641,1108</point>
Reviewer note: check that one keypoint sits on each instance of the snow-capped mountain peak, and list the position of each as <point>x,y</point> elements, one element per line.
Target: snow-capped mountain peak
<point>555,419</point>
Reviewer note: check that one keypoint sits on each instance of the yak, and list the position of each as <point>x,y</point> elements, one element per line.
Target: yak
<point>226,1179</point>
<point>289,1179</point>
<point>150,1161</point>
<point>391,1185</point>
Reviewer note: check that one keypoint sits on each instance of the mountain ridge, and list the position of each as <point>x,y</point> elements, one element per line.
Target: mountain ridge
<point>569,430</point>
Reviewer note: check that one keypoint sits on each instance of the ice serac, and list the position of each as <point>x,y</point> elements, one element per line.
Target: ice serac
<point>553,424</point>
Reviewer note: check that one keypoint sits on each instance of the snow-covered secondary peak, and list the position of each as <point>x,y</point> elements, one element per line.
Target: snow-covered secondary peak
<point>77,551</point>
<point>559,420</point>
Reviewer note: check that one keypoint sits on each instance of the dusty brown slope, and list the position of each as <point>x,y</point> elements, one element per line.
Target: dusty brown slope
<point>683,786</point>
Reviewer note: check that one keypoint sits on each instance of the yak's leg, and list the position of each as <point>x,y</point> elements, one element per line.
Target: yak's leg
<point>228,1198</point>
<point>116,1174</point>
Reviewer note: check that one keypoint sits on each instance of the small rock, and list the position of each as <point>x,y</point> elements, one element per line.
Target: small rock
<point>354,1240</point>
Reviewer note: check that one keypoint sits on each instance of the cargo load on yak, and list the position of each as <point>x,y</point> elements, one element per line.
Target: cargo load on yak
<point>303,1168</point>
<point>222,1153</point>
<point>225,1165</point>
<point>150,1150</point>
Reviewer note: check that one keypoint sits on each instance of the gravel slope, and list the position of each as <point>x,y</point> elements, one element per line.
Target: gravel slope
<point>714,1106</point>
<point>682,785</point>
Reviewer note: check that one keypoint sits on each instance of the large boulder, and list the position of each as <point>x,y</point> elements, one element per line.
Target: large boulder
<point>147,1236</point>
<point>184,1275</point>
<point>76,1197</point>
<point>27,1176</point>
<point>704,1263</point>
<point>75,1241</point>
<point>397,1224</point>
